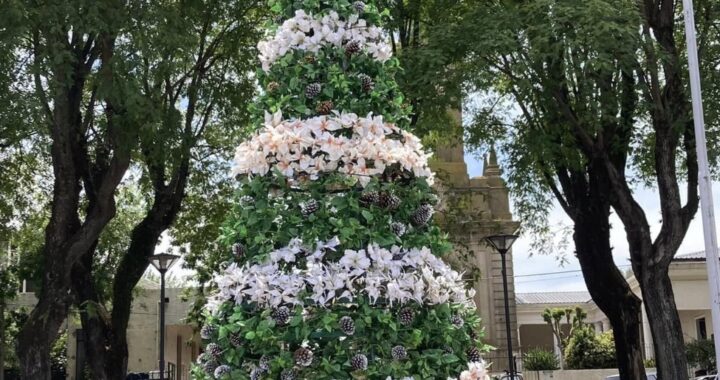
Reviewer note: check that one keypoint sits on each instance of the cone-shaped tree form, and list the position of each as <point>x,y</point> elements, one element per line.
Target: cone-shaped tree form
<point>334,270</point>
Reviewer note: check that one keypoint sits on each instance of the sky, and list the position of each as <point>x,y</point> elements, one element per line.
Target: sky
<point>532,272</point>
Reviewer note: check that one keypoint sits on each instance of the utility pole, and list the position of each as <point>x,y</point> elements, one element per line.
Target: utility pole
<point>705,182</point>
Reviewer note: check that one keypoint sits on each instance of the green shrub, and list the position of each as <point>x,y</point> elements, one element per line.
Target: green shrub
<point>540,360</point>
<point>701,354</point>
<point>588,350</point>
<point>649,363</point>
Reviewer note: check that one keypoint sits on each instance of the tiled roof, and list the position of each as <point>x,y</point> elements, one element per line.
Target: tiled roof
<point>552,298</point>
<point>692,256</point>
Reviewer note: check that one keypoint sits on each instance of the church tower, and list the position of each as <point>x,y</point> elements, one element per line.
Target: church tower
<point>470,210</point>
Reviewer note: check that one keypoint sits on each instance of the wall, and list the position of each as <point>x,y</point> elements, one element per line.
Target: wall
<point>142,331</point>
<point>470,210</point>
<point>181,349</point>
<point>536,336</point>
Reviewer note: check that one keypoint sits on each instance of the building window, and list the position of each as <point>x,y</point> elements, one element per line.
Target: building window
<point>701,328</point>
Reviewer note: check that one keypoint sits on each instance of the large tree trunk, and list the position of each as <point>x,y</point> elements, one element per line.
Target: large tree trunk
<point>110,331</point>
<point>67,238</point>
<point>93,316</point>
<point>132,267</point>
<point>612,294</point>
<point>659,302</point>
<point>40,331</point>
<point>606,284</point>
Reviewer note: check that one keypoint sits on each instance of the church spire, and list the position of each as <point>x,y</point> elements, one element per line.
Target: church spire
<point>491,169</point>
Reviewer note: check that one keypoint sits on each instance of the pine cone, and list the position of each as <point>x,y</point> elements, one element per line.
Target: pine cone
<point>359,6</point>
<point>207,332</point>
<point>288,374</point>
<point>281,315</point>
<point>325,107</point>
<point>309,207</point>
<point>272,87</point>
<point>359,362</point>
<point>236,340</point>
<point>209,367</point>
<point>398,228</point>
<point>214,350</point>
<point>352,47</point>
<point>238,250</point>
<point>473,335</point>
<point>422,215</point>
<point>347,325</point>
<point>457,321</point>
<point>389,201</point>
<point>264,363</point>
<point>303,357</point>
<point>406,316</point>
<point>473,355</point>
<point>221,371</point>
<point>369,198</point>
<point>399,353</point>
<point>256,374</point>
<point>312,90</point>
<point>366,82</point>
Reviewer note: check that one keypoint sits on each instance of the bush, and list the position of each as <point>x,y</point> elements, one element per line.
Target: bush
<point>588,350</point>
<point>701,354</point>
<point>649,363</point>
<point>540,360</point>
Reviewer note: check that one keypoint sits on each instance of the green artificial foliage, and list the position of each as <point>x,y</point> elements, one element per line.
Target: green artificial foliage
<point>540,360</point>
<point>254,335</point>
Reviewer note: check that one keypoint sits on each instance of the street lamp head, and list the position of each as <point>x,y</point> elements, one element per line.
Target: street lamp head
<point>501,242</point>
<point>163,261</point>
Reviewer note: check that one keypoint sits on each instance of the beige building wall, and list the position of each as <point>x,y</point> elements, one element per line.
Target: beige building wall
<point>181,341</point>
<point>470,210</point>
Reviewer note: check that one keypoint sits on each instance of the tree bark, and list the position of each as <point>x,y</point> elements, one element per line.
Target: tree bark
<point>67,237</point>
<point>589,207</point>
<point>659,301</point>
<point>110,331</point>
<point>2,339</point>
<point>610,291</point>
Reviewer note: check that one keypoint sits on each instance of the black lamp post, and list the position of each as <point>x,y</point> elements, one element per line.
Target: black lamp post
<point>162,262</point>
<point>502,244</point>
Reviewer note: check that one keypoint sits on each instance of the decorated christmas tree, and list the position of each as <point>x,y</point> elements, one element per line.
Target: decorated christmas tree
<point>335,269</point>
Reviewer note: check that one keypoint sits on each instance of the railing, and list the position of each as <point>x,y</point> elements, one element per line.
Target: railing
<point>499,363</point>
<point>169,374</point>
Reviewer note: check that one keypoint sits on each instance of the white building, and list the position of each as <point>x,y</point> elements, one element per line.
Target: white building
<point>689,278</point>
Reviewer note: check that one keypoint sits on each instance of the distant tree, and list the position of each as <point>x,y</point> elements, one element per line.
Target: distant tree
<point>564,322</point>
<point>701,354</point>
<point>588,350</point>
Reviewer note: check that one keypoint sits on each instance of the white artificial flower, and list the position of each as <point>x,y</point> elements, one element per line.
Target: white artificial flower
<point>328,30</point>
<point>357,261</point>
<point>418,277</point>
<point>476,371</point>
<point>309,147</point>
